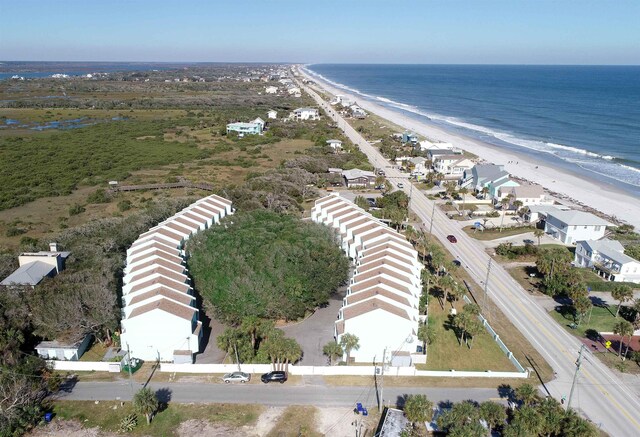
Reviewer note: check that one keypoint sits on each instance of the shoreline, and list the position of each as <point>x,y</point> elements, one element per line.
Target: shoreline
<point>562,184</point>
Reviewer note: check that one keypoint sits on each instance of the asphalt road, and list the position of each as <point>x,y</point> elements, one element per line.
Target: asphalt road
<point>600,394</point>
<point>272,394</point>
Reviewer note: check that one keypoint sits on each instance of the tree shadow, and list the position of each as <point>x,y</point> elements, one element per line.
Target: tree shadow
<point>401,399</point>
<point>164,397</point>
<point>593,335</point>
<point>627,313</point>
<point>505,391</point>
<point>445,405</point>
<point>598,302</point>
<point>566,311</point>
<point>68,384</point>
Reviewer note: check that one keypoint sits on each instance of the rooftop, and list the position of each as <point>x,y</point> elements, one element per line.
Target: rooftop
<point>573,218</point>
<point>29,274</point>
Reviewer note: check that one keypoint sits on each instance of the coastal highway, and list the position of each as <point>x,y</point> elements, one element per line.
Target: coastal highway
<point>599,394</point>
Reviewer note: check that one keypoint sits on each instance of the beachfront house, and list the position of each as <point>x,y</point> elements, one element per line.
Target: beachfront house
<point>272,115</point>
<point>481,175</point>
<point>359,178</point>
<point>336,145</point>
<point>570,226</point>
<point>35,266</point>
<point>409,137</point>
<point>434,153</point>
<point>529,195</point>
<point>357,112</point>
<point>451,165</point>
<point>607,258</point>
<point>271,89</point>
<point>383,296</point>
<point>426,145</point>
<point>503,184</point>
<point>253,128</point>
<point>305,114</point>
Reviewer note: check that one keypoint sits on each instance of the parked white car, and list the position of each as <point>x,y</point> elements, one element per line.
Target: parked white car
<point>236,377</point>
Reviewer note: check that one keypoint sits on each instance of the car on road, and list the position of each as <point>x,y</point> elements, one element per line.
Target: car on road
<point>236,377</point>
<point>452,239</point>
<point>275,376</point>
<point>457,263</point>
<point>400,185</point>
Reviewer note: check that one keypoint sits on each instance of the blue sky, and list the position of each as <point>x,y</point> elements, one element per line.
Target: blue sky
<point>347,31</point>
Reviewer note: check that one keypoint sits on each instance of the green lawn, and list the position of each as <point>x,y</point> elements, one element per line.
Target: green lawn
<point>492,234</point>
<point>601,319</point>
<point>446,353</point>
<point>104,416</point>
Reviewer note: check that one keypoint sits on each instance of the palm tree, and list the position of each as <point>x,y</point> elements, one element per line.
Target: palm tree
<point>538,233</point>
<point>146,402</point>
<point>426,334</point>
<point>361,202</point>
<point>552,414</point>
<point>349,342</point>
<point>504,202</point>
<point>256,328</point>
<point>623,328</point>
<point>526,422</point>
<point>575,426</point>
<point>461,321</point>
<point>333,350</point>
<point>418,409</point>
<point>462,413</point>
<point>582,304</point>
<point>527,394</point>
<point>446,283</point>
<point>463,192</point>
<point>517,204</point>
<point>621,293</point>
<point>493,413</point>
<point>484,191</point>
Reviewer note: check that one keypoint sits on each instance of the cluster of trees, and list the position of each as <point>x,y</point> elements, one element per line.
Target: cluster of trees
<point>257,340</point>
<point>509,251</point>
<point>467,324</point>
<point>268,265</point>
<point>393,206</point>
<point>534,416</point>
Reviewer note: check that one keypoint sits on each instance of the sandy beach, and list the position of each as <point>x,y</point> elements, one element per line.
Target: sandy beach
<point>567,187</point>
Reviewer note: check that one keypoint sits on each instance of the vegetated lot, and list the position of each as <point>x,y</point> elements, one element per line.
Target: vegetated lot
<point>136,133</point>
<point>165,423</point>
<point>266,265</point>
<point>296,420</point>
<point>492,234</point>
<point>446,352</point>
<point>600,319</point>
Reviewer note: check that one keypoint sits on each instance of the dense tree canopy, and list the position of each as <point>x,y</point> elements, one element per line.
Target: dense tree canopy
<point>267,265</point>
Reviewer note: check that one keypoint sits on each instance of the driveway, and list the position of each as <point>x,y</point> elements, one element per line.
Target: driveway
<point>317,330</point>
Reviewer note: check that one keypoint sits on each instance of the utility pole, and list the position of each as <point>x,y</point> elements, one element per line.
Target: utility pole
<point>129,367</point>
<point>433,211</point>
<point>384,355</point>
<point>575,375</point>
<point>486,288</point>
<point>237,359</point>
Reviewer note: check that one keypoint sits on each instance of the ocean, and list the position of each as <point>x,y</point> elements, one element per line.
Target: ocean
<point>585,119</point>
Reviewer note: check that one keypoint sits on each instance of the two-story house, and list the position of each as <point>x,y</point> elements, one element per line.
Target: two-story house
<point>607,258</point>
<point>571,226</point>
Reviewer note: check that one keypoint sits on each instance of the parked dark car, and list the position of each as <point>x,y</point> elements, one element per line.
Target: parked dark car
<point>275,376</point>
<point>452,239</point>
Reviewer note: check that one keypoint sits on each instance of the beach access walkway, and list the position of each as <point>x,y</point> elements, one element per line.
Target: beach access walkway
<point>600,394</point>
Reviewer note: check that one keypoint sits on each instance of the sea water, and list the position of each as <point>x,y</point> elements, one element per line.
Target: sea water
<point>582,118</point>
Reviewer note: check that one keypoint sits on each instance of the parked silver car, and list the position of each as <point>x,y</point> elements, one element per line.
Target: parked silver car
<point>236,377</point>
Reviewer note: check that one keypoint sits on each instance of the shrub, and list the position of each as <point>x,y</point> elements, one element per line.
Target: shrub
<point>76,209</point>
<point>14,231</point>
<point>99,196</point>
<point>124,205</point>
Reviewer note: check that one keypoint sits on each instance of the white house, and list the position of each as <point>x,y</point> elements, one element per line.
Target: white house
<point>305,114</point>
<point>419,166</point>
<point>381,305</point>
<point>271,89</point>
<point>608,259</point>
<point>35,266</point>
<point>336,145</point>
<point>529,195</point>
<point>451,165</point>
<point>159,314</point>
<point>272,115</point>
<point>293,90</point>
<point>570,226</point>
<point>481,175</point>
<point>63,350</point>
<point>426,145</point>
